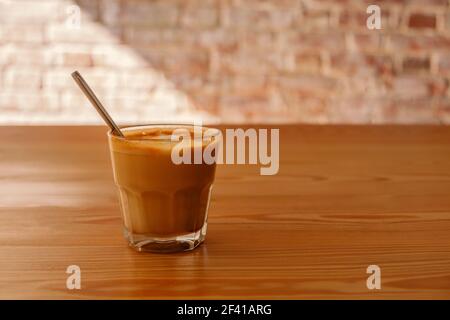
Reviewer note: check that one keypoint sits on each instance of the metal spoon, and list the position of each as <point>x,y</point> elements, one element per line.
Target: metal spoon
<point>96,103</point>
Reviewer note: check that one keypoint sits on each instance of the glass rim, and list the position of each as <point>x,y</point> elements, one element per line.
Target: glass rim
<point>113,135</point>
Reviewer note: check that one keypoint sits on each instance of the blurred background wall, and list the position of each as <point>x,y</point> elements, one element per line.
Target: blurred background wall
<point>312,61</point>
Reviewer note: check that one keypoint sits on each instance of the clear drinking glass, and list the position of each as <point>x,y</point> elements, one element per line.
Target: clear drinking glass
<point>164,204</point>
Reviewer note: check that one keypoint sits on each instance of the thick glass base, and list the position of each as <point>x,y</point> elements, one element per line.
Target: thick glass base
<point>147,243</point>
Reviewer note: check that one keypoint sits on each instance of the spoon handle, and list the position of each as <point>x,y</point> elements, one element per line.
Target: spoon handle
<point>95,102</point>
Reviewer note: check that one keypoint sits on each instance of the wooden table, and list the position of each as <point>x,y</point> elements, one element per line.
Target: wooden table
<point>346,197</point>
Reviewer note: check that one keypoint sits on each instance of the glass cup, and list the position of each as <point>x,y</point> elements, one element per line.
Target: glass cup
<point>164,204</point>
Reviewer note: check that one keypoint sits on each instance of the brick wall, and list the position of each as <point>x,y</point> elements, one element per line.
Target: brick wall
<point>309,61</point>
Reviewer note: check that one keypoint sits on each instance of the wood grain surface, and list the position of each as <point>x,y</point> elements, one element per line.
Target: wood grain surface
<point>345,197</point>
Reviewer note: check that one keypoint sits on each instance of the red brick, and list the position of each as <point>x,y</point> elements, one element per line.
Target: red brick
<point>177,60</point>
<point>351,64</point>
<point>260,40</point>
<point>109,11</point>
<point>307,109</point>
<point>406,111</point>
<point>206,97</point>
<point>308,62</point>
<point>142,78</point>
<point>249,62</point>
<point>443,110</point>
<point>447,22</point>
<point>422,21</point>
<point>94,8</point>
<point>281,4</point>
<point>353,18</point>
<point>319,41</point>
<point>444,64</point>
<point>258,17</point>
<point>309,85</point>
<point>315,19</point>
<point>416,64</point>
<point>200,14</point>
<point>419,43</point>
<point>223,41</point>
<point>440,3</point>
<point>356,109</point>
<point>362,85</point>
<point>371,42</point>
<point>249,97</point>
<point>77,59</point>
<point>410,87</point>
<point>157,14</point>
<point>438,87</point>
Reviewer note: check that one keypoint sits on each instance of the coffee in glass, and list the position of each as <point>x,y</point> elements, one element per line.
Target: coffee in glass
<point>164,204</point>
